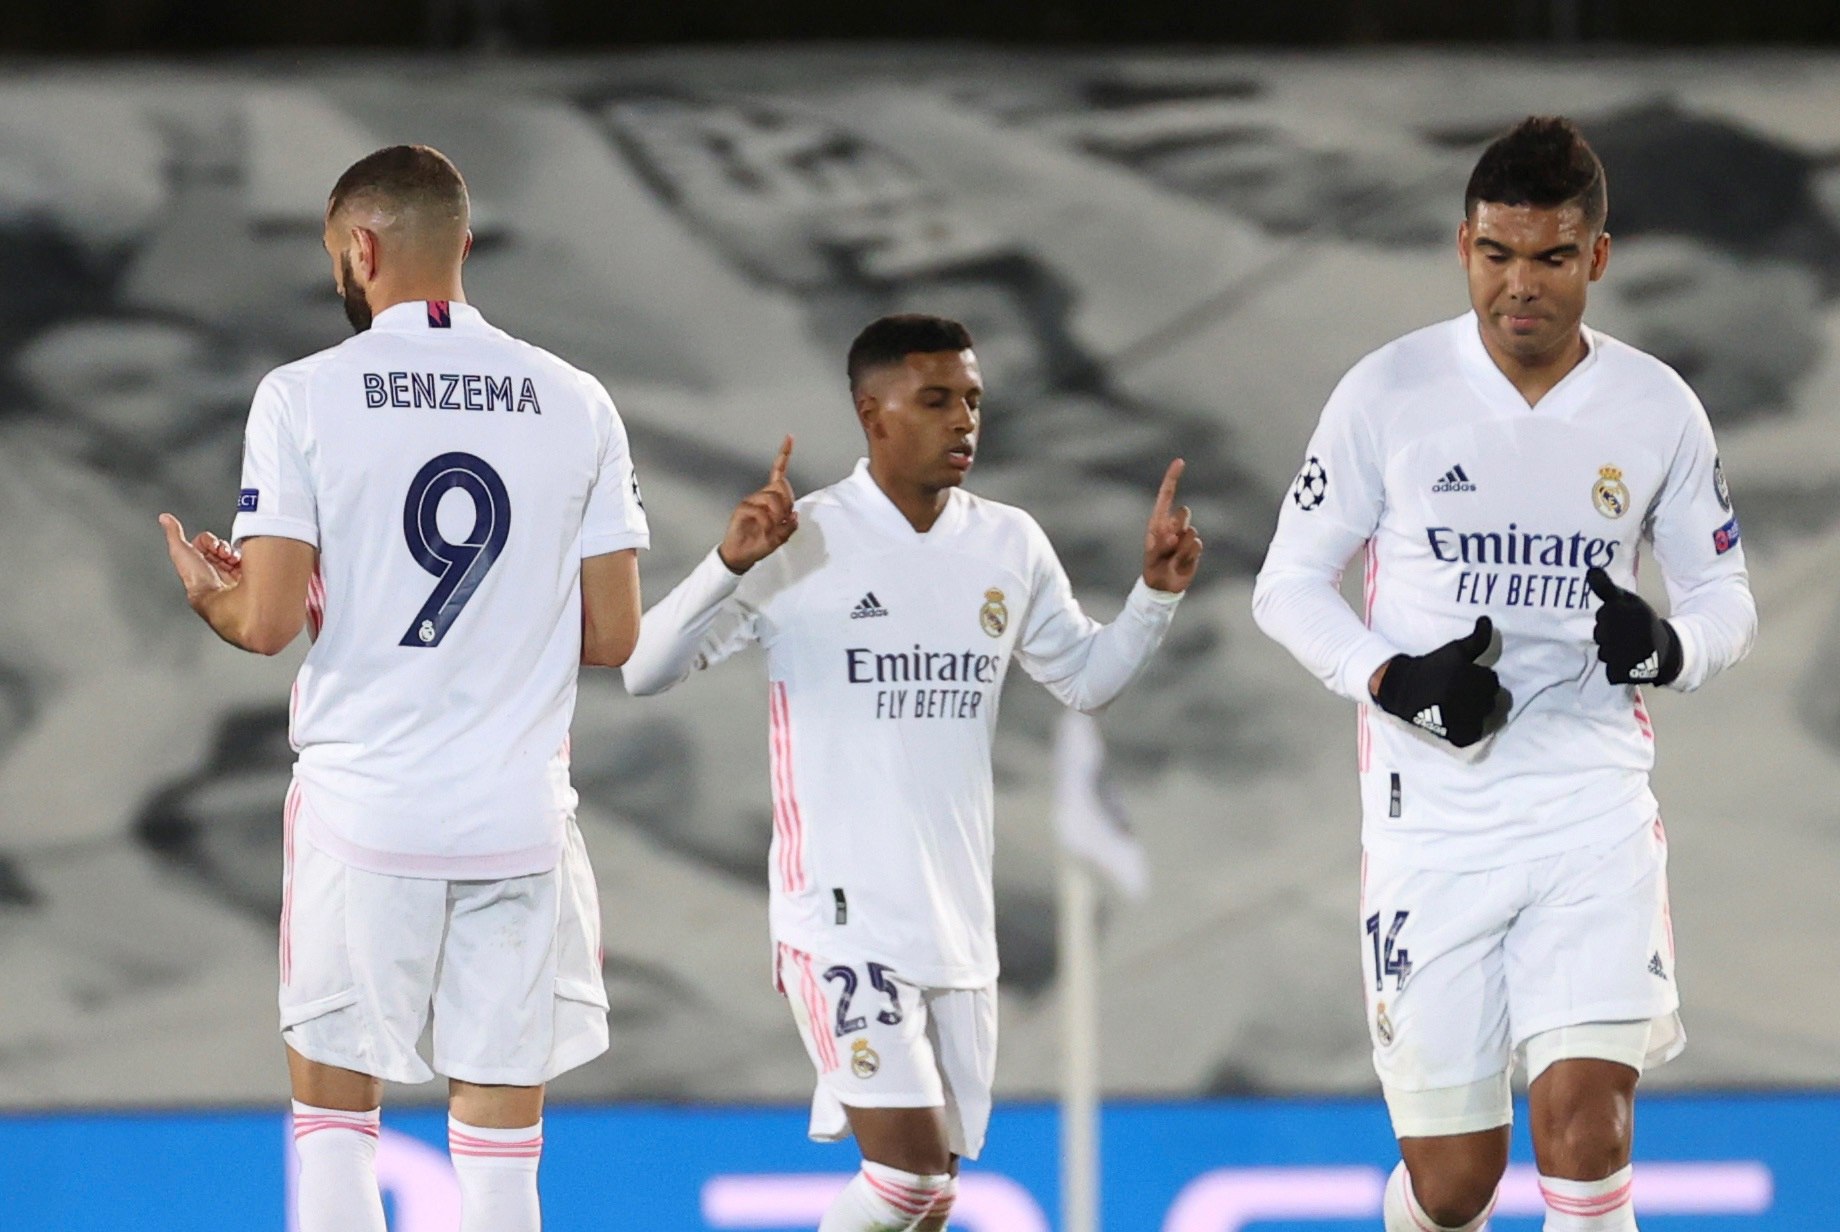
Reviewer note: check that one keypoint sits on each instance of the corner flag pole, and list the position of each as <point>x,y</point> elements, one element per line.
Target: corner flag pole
<point>1079,962</point>
<point>1095,841</point>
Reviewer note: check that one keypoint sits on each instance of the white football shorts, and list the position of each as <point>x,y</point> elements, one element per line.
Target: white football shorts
<point>510,969</point>
<point>879,1042</point>
<point>1464,968</point>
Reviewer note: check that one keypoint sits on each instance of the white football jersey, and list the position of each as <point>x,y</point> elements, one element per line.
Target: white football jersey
<point>1471,503</point>
<point>886,651</point>
<point>453,479</point>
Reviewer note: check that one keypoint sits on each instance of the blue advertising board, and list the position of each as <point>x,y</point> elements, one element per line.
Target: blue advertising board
<point>1705,1164</point>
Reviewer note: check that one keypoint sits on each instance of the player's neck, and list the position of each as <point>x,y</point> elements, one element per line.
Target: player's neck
<point>415,290</point>
<point>921,506</point>
<point>1535,376</point>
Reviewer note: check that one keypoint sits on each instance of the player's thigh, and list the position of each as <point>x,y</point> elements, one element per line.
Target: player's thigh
<point>359,956</point>
<point>1595,949</point>
<point>520,997</point>
<point>1433,977</point>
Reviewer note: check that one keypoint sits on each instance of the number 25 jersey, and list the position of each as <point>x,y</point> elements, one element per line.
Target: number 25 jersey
<point>453,478</point>
<point>886,652</point>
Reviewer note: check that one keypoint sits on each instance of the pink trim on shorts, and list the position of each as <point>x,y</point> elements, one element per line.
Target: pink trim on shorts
<point>816,1008</point>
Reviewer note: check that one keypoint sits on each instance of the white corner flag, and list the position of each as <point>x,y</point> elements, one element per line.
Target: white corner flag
<point>1089,817</point>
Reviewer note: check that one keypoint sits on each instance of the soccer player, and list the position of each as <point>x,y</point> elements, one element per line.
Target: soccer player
<point>1503,471</point>
<point>889,621</point>
<point>455,514</point>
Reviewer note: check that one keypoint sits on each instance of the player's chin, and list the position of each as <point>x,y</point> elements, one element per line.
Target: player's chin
<point>952,474</point>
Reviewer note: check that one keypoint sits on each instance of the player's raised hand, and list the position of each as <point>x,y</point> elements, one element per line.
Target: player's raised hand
<point>1634,644</point>
<point>763,520</point>
<point>1172,549</point>
<point>205,564</point>
<point>1447,692</point>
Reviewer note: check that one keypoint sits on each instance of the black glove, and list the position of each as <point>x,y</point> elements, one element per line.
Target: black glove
<point>1634,644</point>
<point>1447,692</point>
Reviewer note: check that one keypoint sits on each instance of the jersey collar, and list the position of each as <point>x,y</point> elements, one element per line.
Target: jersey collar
<point>428,316</point>
<point>881,514</point>
<point>1492,381</point>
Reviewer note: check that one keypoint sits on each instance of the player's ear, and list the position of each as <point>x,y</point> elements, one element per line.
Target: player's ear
<point>364,241</point>
<point>466,244</point>
<point>869,414</point>
<point>1463,243</point>
<point>1600,255</point>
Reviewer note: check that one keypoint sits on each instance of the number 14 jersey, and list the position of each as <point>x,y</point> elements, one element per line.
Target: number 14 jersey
<point>453,478</point>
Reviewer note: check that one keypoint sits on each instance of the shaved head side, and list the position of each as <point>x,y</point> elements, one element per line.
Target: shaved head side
<point>412,193</point>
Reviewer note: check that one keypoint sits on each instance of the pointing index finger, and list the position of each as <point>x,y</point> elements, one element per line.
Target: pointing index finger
<point>778,473</point>
<point>1166,495</point>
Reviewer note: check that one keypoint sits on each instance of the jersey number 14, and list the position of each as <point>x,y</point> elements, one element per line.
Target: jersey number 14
<point>1390,958</point>
<point>460,567</point>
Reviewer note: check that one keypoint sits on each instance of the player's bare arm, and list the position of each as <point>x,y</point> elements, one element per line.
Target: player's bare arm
<point>609,608</point>
<point>1172,547</point>
<point>255,599</point>
<point>764,519</point>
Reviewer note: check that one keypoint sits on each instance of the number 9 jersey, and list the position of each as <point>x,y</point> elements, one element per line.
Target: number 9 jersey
<point>453,479</point>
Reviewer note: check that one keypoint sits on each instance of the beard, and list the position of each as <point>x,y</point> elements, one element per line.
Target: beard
<point>357,307</point>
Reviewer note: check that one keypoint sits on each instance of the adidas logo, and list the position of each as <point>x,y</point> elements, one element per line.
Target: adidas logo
<point>1655,967</point>
<point>1454,480</point>
<point>868,606</point>
<point>1648,668</point>
<point>1431,718</point>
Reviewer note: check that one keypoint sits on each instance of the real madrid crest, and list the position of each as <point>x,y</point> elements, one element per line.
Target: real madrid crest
<point>993,616</point>
<point>865,1062</point>
<point>1383,1026</point>
<point>1610,494</point>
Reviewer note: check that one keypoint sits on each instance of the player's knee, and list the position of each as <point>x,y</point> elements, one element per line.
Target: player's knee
<point>1453,1195</point>
<point>1583,1121</point>
<point>1584,1140</point>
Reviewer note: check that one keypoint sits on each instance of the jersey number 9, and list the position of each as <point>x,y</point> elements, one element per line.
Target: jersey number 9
<point>459,566</point>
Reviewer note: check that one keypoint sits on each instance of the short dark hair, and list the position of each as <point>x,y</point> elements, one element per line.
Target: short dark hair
<point>1545,162</point>
<point>418,178</point>
<point>889,340</point>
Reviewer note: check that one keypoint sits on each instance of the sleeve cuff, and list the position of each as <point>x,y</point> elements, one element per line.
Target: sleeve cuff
<point>602,545</point>
<point>252,526</point>
<point>714,577</point>
<point>1360,666</point>
<point>1686,681</point>
<point>1145,596</point>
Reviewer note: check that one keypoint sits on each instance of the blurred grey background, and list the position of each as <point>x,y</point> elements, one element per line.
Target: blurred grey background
<point>1158,254</point>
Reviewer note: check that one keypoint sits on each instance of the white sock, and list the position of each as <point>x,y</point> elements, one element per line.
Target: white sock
<point>935,1220</point>
<point>883,1199</point>
<point>1404,1214</point>
<point>1590,1206</point>
<point>337,1188</point>
<point>498,1176</point>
